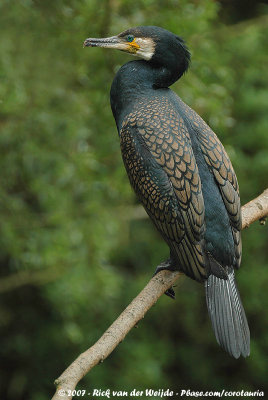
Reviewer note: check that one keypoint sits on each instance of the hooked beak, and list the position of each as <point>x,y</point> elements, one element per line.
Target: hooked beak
<point>113,42</point>
<point>110,42</point>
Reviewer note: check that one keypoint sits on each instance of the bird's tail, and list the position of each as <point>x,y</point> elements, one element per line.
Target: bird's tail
<point>227,315</point>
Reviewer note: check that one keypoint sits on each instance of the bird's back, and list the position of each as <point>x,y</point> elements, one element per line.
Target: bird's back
<point>219,188</point>
<point>181,194</point>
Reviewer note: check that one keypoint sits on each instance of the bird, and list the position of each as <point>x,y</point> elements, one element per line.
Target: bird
<point>180,173</point>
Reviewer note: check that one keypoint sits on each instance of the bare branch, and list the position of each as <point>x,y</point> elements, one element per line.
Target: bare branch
<point>256,209</point>
<point>66,383</point>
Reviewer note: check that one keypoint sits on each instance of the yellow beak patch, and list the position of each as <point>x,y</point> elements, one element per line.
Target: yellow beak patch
<point>133,46</point>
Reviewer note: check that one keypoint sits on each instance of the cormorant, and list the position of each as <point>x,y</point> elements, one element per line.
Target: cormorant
<point>181,173</point>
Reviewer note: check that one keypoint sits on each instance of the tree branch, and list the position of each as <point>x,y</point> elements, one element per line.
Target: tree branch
<point>256,209</point>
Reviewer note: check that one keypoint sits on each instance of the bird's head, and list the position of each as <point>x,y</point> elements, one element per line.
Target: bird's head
<point>151,43</point>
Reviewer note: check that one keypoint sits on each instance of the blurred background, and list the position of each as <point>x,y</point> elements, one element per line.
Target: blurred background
<point>75,247</point>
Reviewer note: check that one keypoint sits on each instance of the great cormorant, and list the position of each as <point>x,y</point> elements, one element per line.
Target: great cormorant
<point>181,174</point>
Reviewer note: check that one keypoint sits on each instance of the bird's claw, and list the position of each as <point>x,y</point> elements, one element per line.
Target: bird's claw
<point>170,293</point>
<point>166,266</point>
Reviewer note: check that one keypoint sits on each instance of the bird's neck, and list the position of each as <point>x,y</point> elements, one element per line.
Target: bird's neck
<point>134,80</point>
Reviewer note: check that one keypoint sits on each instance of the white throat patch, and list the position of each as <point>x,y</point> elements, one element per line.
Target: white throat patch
<point>147,48</point>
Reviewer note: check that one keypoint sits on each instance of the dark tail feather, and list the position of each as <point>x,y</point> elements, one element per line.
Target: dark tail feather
<point>227,315</point>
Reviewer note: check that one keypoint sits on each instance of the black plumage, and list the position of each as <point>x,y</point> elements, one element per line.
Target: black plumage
<point>180,173</point>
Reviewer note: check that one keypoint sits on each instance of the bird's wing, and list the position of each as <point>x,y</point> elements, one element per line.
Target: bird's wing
<point>163,172</point>
<point>222,169</point>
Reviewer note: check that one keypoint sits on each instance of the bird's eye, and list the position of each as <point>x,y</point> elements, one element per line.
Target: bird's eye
<point>130,38</point>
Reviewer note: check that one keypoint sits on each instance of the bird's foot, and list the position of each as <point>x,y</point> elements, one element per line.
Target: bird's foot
<point>167,265</point>
<point>170,293</point>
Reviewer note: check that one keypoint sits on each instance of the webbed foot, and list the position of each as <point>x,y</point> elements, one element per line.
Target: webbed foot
<point>167,265</point>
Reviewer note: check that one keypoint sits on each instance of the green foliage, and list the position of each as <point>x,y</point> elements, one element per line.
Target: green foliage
<point>67,218</point>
